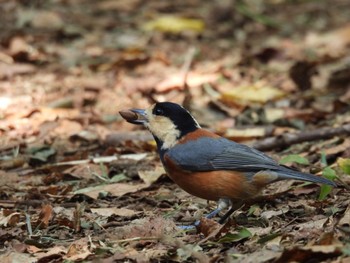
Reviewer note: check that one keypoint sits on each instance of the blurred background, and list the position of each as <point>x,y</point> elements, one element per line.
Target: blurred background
<point>246,69</point>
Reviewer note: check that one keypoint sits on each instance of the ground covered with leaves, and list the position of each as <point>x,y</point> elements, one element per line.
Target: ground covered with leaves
<point>77,183</point>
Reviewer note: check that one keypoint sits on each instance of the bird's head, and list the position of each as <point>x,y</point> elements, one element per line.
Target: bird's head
<point>168,122</point>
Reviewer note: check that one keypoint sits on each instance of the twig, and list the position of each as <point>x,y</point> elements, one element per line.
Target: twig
<point>266,144</point>
<point>186,69</point>
<point>288,139</point>
<point>29,225</point>
<point>33,203</point>
<point>134,239</point>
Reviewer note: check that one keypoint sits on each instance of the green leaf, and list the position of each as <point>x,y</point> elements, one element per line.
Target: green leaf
<point>118,178</point>
<point>346,250</point>
<point>294,158</point>
<point>323,159</point>
<point>330,174</point>
<point>252,209</point>
<point>242,234</point>
<point>325,190</point>
<point>344,165</point>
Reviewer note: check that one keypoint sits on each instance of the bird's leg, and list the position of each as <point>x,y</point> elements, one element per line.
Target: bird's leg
<point>223,203</point>
<point>233,208</point>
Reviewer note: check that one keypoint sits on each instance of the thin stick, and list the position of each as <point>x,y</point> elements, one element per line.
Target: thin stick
<point>186,69</point>
<point>134,239</point>
<point>288,139</point>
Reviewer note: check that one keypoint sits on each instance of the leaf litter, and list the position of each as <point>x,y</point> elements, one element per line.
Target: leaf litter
<point>80,184</point>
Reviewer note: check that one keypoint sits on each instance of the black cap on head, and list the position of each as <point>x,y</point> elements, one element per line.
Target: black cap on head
<point>183,120</point>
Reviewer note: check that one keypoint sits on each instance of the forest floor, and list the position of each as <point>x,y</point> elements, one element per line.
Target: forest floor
<point>79,183</point>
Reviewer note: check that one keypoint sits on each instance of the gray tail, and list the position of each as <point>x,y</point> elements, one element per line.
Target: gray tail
<point>291,174</point>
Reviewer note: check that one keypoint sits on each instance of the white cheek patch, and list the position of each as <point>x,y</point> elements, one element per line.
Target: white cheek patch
<point>163,128</point>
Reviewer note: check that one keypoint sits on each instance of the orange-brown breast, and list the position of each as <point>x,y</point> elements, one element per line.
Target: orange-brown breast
<point>212,185</point>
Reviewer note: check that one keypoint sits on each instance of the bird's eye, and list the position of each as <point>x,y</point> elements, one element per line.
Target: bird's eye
<point>158,111</point>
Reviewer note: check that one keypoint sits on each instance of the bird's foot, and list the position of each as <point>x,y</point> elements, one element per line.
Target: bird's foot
<point>190,227</point>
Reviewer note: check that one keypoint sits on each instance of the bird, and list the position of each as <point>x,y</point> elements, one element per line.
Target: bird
<point>208,165</point>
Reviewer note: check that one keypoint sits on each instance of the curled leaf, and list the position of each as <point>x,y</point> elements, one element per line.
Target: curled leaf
<point>344,165</point>
<point>246,95</point>
<point>294,158</point>
<point>175,25</point>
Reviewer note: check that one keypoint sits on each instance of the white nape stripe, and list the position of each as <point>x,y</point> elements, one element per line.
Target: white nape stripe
<point>195,121</point>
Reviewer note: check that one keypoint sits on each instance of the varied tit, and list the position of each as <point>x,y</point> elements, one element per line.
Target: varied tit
<point>207,165</point>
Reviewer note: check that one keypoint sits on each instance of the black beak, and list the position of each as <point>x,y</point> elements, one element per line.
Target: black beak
<point>134,116</point>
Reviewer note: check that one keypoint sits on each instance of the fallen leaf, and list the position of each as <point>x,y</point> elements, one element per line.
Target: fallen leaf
<point>12,257</point>
<point>243,233</point>
<point>123,212</point>
<point>307,253</point>
<point>84,171</point>
<point>345,220</point>
<point>118,189</point>
<point>264,255</point>
<point>344,164</point>
<point>209,228</point>
<point>294,158</point>
<point>120,5</point>
<point>317,224</point>
<point>54,252</point>
<point>135,156</point>
<point>186,251</point>
<point>271,213</point>
<point>175,25</point>
<point>78,250</point>
<point>41,154</point>
<point>47,20</point>
<point>10,70</point>
<point>45,216</point>
<point>245,95</point>
<point>150,176</point>
<point>245,134</point>
<point>176,81</point>
<point>10,220</point>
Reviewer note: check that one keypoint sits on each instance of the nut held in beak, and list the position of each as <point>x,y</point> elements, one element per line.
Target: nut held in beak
<point>128,115</point>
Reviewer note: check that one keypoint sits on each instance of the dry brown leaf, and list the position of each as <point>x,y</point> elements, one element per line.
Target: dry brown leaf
<point>332,43</point>
<point>313,224</point>
<point>345,220</point>
<point>50,252</point>
<point>11,257</point>
<point>10,220</point>
<point>10,70</point>
<point>118,189</point>
<point>339,148</point>
<point>246,134</point>
<point>176,81</point>
<point>271,213</point>
<point>124,212</point>
<point>84,171</point>
<point>263,255</point>
<point>47,20</point>
<point>45,216</point>
<point>78,250</point>
<point>150,176</point>
<point>256,93</point>
<point>120,5</point>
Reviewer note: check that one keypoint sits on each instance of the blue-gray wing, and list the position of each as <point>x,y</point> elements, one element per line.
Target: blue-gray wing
<point>207,154</point>
<point>210,154</point>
